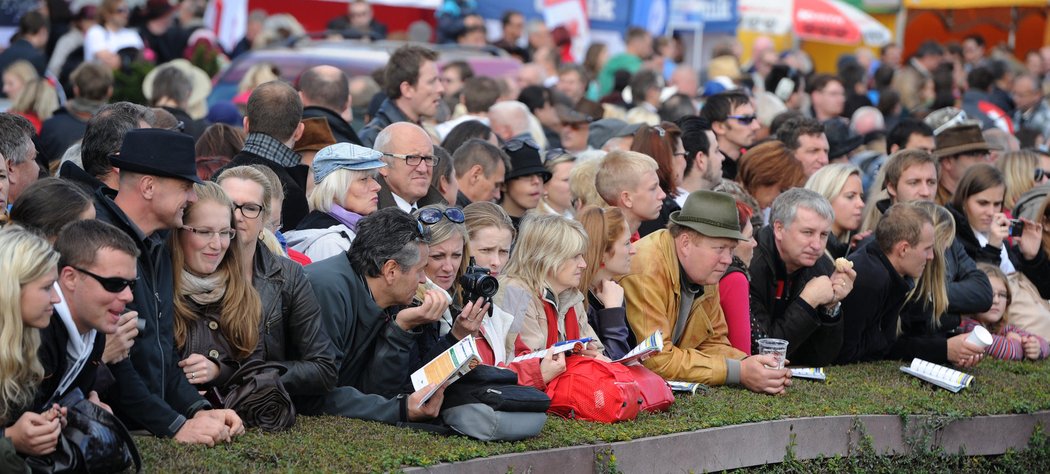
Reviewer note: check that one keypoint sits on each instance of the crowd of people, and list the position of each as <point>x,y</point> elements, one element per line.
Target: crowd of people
<point>153,253</point>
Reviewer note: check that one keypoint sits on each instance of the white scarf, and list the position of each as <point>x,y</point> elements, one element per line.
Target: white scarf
<point>77,350</point>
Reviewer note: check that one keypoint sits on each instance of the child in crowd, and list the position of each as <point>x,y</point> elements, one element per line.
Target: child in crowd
<point>1008,342</point>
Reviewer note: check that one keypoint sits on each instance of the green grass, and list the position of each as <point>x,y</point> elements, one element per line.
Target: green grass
<point>331,443</point>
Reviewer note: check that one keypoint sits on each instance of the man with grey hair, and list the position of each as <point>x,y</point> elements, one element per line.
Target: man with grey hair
<point>795,287</point>
<point>1032,109</point>
<point>409,154</point>
<point>16,146</point>
<point>361,296</point>
<point>509,119</point>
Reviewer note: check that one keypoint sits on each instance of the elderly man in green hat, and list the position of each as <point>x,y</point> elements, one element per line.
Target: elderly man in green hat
<point>673,288</point>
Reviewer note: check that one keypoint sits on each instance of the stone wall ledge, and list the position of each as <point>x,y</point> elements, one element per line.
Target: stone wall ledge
<point>730,447</point>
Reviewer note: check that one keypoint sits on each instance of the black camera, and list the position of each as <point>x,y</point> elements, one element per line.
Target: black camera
<point>478,283</point>
<point>1016,228</point>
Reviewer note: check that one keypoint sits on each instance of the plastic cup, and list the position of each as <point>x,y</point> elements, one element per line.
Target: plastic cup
<point>979,337</point>
<point>777,347</point>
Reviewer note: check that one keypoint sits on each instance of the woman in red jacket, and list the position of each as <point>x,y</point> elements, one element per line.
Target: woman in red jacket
<point>734,290</point>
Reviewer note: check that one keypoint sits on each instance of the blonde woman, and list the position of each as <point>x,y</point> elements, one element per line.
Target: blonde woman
<point>925,324</point>
<point>1022,171</point>
<point>16,76</point>
<point>27,299</point>
<point>840,184</point>
<point>540,285</point>
<point>37,102</point>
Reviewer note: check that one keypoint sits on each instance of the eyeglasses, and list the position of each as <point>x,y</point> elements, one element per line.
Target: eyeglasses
<point>516,144</point>
<point>110,284</point>
<point>555,153</point>
<point>208,234</point>
<point>660,131</point>
<point>743,119</point>
<point>249,210</point>
<point>431,216</point>
<point>1039,174</point>
<point>179,127</point>
<point>681,154</point>
<point>415,160</point>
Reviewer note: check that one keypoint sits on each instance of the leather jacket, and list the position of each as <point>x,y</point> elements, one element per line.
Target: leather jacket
<point>291,329</point>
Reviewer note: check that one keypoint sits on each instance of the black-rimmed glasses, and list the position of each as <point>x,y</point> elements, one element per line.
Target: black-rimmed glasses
<point>110,284</point>
<point>415,160</point>
<point>1039,174</point>
<point>431,216</point>
<point>249,210</point>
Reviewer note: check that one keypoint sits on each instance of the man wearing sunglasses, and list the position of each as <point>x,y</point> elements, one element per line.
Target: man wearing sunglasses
<point>157,173</point>
<point>733,120</point>
<point>95,281</point>
<point>364,298</point>
<point>405,180</point>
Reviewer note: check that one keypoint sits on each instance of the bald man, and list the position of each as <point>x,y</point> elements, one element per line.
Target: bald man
<point>409,155</point>
<point>325,92</point>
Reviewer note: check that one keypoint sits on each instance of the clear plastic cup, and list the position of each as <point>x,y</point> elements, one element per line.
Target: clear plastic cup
<point>777,347</point>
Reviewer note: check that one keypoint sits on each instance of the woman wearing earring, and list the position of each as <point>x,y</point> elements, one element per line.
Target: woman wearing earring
<point>292,333</point>
<point>27,299</point>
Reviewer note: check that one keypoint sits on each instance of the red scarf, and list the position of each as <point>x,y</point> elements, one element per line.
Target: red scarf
<point>572,327</point>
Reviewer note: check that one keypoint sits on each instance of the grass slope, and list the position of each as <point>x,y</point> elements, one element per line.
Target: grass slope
<point>337,444</point>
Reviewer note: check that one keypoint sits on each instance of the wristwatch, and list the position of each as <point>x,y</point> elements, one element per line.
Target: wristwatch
<point>834,311</point>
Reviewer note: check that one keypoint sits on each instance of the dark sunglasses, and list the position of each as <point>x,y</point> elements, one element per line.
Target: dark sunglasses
<point>1039,174</point>
<point>743,119</point>
<point>424,232</point>
<point>110,284</point>
<point>431,216</point>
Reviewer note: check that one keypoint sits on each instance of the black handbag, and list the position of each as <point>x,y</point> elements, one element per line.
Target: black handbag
<point>93,440</point>
<point>256,393</point>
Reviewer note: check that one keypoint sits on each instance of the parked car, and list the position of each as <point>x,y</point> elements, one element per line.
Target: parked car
<point>355,58</point>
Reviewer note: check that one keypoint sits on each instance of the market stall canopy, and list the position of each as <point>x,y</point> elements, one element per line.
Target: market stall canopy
<point>957,4</point>
<point>830,21</point>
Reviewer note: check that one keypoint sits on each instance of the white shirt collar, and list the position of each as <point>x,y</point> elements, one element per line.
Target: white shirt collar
<point>401,203</point>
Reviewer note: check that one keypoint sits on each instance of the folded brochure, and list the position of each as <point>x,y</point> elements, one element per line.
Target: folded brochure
<point>939,375</point>
<point>574,345</point>
<point>447,367</point>
<point>813,373</point>
<point>651,345</point>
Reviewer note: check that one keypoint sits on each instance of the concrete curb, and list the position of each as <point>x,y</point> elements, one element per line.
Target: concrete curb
<point>752,444</point>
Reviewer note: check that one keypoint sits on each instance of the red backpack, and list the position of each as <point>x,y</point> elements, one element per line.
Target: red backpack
<point>593,390</point>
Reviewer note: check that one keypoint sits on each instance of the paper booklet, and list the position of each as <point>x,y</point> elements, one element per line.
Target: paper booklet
<point>939,375</point>
<point>813,373</point>
<point>447,367</point>
<point>687,387</point>
<point>574,345</point>
<point>651,345</point>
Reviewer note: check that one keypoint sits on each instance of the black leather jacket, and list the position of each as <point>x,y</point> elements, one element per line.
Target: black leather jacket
<point>292,332</point>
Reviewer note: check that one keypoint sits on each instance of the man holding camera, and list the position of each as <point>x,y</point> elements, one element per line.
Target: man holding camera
<point>364,297</point>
